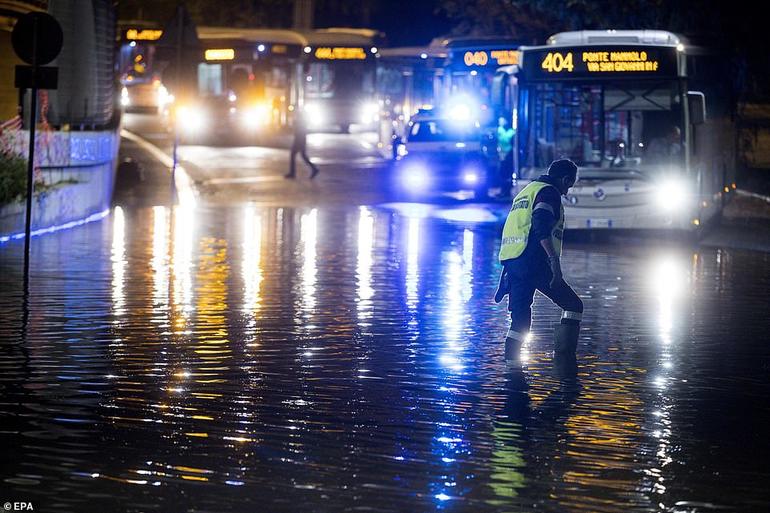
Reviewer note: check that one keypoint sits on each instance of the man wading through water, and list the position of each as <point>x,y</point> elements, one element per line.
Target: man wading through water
<point>530,252</point>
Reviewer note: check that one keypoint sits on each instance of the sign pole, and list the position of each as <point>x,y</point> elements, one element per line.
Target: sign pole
<point>30,160</point>
<point>30,179</point>
<point>37,39</point>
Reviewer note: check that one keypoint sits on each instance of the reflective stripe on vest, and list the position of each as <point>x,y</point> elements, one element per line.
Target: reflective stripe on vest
<point>519,222</point>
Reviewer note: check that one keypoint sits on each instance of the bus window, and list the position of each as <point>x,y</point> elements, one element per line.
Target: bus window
<point>340,80</point>
<point>567,124</point>
<point>209,79</point>
<point>596,125</point>
<point>239,80</point>
<point>390,81</point>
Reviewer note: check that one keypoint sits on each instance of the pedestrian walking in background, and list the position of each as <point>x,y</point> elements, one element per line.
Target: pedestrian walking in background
<point>530,254</point>
<point>505,136</point>
<point>299,145</point>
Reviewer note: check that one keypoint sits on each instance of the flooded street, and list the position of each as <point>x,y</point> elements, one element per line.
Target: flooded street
<point>253,358</point>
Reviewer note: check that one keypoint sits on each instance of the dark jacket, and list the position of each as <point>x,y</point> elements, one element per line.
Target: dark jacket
<point>300,133</point>
<point>534,258</point>
<point>543,220</point>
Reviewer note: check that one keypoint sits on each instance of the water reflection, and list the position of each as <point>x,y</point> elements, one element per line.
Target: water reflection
<point>669,279</point>
<point>412,263</point>
<point>118,258</point>
<point>364,264</point>
<point>251,265</point>
<point>309,239</point>
<point>250,358</point>
<point>159,264</point>
<point>183,229</point>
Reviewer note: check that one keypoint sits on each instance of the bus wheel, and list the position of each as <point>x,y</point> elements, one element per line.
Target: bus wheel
<point>345,127</point>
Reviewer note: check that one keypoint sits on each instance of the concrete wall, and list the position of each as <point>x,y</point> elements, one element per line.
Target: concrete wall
<point>87,158</point>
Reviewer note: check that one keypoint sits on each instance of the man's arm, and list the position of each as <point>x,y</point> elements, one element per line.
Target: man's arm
<point>544,217</point>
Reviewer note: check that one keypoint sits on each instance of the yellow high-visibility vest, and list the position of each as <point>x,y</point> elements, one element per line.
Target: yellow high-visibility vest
<point>519,222</point>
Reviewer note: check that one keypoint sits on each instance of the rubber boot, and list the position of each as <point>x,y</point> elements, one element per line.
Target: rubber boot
<point>565,337</point>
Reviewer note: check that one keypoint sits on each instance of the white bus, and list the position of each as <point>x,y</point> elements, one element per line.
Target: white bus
<point>622,105</point>
<point>339,78</point>
<point>450,73</point>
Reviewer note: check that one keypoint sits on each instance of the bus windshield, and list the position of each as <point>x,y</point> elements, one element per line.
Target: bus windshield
<point>603,125</point>
<point>340,80</point>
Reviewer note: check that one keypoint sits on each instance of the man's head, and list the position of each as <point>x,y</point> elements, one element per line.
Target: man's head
<point>564,173</point>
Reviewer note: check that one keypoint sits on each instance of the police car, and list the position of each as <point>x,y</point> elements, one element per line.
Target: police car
<point>442,151</point>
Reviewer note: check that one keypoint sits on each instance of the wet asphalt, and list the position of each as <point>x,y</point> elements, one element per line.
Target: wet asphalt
<point>324,346</point>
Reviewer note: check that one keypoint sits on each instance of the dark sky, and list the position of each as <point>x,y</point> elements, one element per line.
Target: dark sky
<point>405,23</point>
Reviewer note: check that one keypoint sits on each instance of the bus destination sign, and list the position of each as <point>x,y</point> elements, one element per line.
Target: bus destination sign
<point>490,58</point>
<point>133,34</point>
<point>340,53</point>
<point>593,61</point>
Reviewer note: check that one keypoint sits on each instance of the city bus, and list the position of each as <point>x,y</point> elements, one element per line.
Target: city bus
<point>141,86</point>
<point>340,77</point>
<point>450,74</point>
<point>408,79</point>
<point>246,83</point>
<point>622,105</point>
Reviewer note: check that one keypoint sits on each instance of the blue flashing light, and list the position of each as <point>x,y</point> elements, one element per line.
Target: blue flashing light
<point>415,177</point>
<point>460,112</point>
<point>461,108</point>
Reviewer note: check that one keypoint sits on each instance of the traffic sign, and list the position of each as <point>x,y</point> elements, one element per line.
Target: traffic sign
<point>39,77</point>
<point>37,38</point>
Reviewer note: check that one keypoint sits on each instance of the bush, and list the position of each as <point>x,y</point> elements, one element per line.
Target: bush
<point>13,177</point>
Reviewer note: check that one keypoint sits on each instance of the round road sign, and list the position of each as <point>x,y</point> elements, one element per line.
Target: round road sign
<point>37,38</point>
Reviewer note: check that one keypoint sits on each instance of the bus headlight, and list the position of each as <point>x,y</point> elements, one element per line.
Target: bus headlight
<point>672,195</point>
<point>191,118</point>
<point>315,114</point>
<point>460,112</point>
<point>415,177</point>
<point>470,177</point>
<point>256,116</point>
<point>369,112</point>
<point>163,97</point>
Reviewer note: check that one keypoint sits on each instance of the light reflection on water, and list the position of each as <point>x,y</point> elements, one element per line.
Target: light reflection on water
<point>342,358</point>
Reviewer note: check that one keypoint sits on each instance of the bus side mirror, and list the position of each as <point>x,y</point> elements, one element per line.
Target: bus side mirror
<point>696,103</point>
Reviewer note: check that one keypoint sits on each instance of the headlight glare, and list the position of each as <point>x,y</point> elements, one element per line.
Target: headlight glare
<point>191,118</point>
<point>672,195</point>
<point>314,113</point>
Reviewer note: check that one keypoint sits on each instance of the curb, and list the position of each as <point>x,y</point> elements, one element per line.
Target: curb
<point>185,191</point>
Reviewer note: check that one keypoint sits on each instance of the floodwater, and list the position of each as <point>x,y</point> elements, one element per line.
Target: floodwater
<point>265,359</point>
